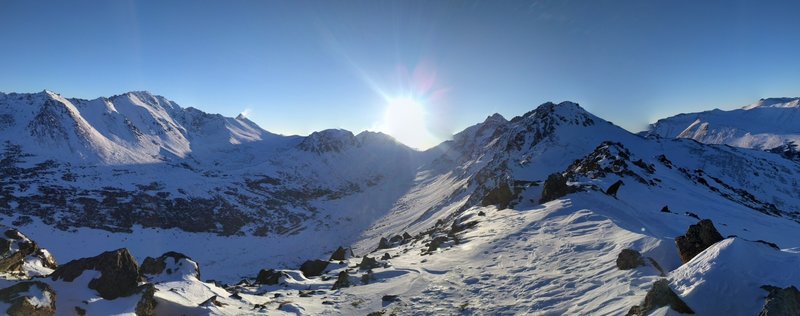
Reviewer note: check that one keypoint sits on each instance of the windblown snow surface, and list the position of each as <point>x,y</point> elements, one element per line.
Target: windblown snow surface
<point>523,257</point>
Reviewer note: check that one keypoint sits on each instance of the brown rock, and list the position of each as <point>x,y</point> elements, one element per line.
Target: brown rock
<point>697,238</point>
<point>17,296</point>
<point>343,280</point>
<point>339,254</point>
<point>781,302</point>
<point>659,296</point>
<point>629,259</point>
<point>119,273</point>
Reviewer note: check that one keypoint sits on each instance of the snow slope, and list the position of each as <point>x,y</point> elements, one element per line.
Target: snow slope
<point>763,125</point>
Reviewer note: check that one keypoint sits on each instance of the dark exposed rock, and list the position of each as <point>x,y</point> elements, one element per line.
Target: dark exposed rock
<point>629,259</point>
<point>665,209</point>
<point>269,276</point>
<point>612,190</point>
<point>554,187</point>
<point>155,266</point>
<point>15,261</point>
<point>500,196</point>
<point>390,298</point>
<point>781,302</point>
<point>436,243</point>
<point>12,260</point>
<point>697,238</point>
<point>384,243</point>
<point>343,280</point>
<point>17,296</point>
<point>119,273</point>
<point>339,254</point>
<point>368,263</point>
<point>396,239</point>
<point>692,215</point>
<point>312,268</point>
<point>386,256</point>
<point>147,304</point>
<point>481,213</point>
<point>660,295</point>
<point>14,234</point>
<point>406,236</point>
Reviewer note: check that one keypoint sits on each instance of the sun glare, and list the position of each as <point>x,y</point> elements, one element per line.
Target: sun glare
<point>406,120</point>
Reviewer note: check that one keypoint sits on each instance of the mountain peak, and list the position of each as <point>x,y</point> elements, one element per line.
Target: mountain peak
<point>329,140</point>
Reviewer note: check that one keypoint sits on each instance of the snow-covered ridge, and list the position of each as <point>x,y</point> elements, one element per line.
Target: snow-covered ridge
<point>764,125</point>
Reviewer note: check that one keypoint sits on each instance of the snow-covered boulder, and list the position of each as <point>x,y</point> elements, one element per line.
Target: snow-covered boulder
<point>29,298</point>
<point>119,273</point>
<point>169,266</point>
<point>21,256</point>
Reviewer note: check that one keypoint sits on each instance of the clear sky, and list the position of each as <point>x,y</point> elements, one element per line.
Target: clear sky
<point>418,69</point>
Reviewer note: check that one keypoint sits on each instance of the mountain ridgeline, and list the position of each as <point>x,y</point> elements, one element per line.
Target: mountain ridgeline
<point>545,213</point>
<point>139,159</point>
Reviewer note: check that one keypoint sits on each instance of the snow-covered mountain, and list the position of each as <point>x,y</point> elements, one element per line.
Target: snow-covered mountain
<point>556,211</point>
<point>765,125</point>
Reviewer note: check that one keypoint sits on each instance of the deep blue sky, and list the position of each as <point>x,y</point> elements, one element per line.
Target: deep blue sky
<point>301,66</point>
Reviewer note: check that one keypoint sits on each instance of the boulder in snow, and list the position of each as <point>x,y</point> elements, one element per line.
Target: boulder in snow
<point>312,268</point>
<point>119,273</point>
<point>16,249</point>
<point>339,255</point>
<point>269,276</point>
<point>343,280</point>
<point>554,187</point>
<point>170,263</point>
<point>699,237</point>
<point>368,263</point>
<point>629,259</point>
<point>29,298</point>
<point>659,296</point>
<point>502,196</point>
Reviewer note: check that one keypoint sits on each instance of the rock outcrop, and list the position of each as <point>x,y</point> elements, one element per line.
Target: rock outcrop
<point>312,268</point>
<point>368,263</point>
<point>781,302</point>
<point>502,196</point>
<point>339,255</point>
<point>16,248</point>
<point>629,259</point>
<point>612,190</point>
<point>343,280</point>
<point>170,263</point>
<point>659,296</point>
<point>554,187</point>
<point>21,299</point>
<point>269,276</point>
<point>119,273</point>
<point>697,238</point>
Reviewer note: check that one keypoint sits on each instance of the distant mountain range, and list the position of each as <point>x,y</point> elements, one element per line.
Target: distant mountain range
<point>520,215</point>
<point>765,125</point>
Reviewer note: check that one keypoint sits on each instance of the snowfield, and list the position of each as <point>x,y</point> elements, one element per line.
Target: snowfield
<point>458,229</point>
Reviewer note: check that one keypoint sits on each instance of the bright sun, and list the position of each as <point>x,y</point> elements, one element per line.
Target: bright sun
<point>406,120</point>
